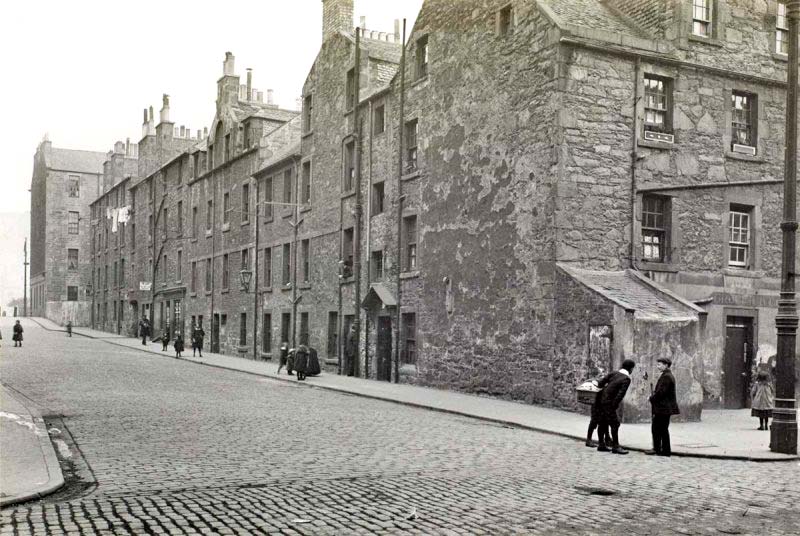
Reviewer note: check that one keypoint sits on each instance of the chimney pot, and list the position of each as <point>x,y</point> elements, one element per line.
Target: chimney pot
<point>145,116</point>
<point>183,131</point>
<point>260,96</point>
<point>165,108</point>
<point>199,134</point>
<point>205,132</point>
<point>228,64</point>
<point>151,113</point>
<point>127,146</point>
<point>249,83</point>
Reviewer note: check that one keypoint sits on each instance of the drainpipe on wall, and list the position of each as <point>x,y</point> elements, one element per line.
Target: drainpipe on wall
<point>634,157</point>
<point>213,244</point>
<point>358,208</point>
<point>255,272</point>
<point>369,249</point>
<point>398,258</point>
<point>294,257</point>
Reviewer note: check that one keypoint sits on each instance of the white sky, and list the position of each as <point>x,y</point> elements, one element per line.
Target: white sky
<point>83,70</point>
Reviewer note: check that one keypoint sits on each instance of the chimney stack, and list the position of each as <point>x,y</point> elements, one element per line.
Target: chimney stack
<point>164,109</point>
<point>337,16</point>
<point>249,83</point>
<point>396,30</point>
<point>127,146</point>
<point>260,96</point>
<point>205,132</point>
<point>363,24</point>
<point>269,96</point>
<point>228,64</point>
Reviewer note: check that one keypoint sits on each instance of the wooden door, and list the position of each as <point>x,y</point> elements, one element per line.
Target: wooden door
<point>215,334</point>
<point>736,365</point>
<point>383,352</point>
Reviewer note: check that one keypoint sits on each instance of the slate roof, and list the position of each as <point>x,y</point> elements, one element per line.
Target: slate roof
<point>592,14</point>
<point>76,160</point>
<point>382,50</point>
<point>633,292</point>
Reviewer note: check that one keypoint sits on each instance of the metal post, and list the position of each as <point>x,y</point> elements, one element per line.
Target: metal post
<point>25,279</point>
<point>783,433</point>
<point>358,208</point>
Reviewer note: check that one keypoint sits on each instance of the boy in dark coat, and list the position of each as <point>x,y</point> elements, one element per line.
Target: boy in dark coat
<point>178,345</point>
<point>614,386</point>
<point>18,334</point>
<point>665,404</point>
<point>198,335</point>
<point>165,339</point>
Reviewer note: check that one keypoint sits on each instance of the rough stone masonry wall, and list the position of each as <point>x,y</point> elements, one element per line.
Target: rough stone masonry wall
<point>487,114</point>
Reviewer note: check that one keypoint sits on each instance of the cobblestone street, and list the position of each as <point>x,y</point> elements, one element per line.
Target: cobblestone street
<point>159,446</point>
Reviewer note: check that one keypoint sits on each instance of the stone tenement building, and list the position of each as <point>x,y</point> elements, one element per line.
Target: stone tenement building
<point>537,189</point>
<point>63,184</point>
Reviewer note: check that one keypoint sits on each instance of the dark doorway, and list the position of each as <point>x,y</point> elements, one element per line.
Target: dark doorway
<point>737,361</point>
<point>383,352</point>
<point>215,334</point>
<point>286,325</point>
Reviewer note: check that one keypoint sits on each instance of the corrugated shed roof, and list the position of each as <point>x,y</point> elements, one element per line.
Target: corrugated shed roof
<point>631,292</point>
<point>592,14</point>
<point>76,160</point>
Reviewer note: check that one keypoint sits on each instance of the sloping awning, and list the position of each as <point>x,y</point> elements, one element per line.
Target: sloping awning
<point>378,294</point>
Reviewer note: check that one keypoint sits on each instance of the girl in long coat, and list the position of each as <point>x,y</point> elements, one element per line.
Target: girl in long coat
<point>18,334</point>
<point>763,397</point>
<point>301,362</point>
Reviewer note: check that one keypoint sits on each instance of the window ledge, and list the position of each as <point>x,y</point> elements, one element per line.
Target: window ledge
<point>242,349</point>
<point>743,272</point>
<point>308,134</point>
<point>652,144</point>
<point>780,57</point>
<point>408,369</point>
<point>225,291</point>
<point>266,356</point>
<point>208,293</point>
<point>266,289</point>
<point>409,275</point>
<point>657,266</point>
<point>193,294</point>
<point>744,157</point>
<point>287,286</point>
<point>332,360</point>
<point>304,286</point>
<point>287,214</point>
<point>226,227</point>
<point>713,41</point>
<point>349,193</point>
<point>410,175</point>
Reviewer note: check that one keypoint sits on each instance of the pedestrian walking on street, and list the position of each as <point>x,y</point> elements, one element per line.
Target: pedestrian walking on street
<point>144,329</point>
<point>614,386</point>
<point>198,335</point>
<point>69,328</point>
<point>665,404</point>
<point>18,334</point>
<point>284,356</point>
<point>290,362</point>
<point>762,396</point>
<point>178,346</point>
<point>301,362</point>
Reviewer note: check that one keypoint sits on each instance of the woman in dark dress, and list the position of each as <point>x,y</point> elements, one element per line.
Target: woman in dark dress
<point>301,362</point>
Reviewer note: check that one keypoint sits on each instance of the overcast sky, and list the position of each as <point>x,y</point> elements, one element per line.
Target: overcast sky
<point>81,71</point>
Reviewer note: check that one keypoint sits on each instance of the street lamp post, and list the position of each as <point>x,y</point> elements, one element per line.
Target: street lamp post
<point>783,433</point>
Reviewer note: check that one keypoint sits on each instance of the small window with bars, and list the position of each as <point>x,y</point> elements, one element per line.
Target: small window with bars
<point>654,228</point>
<point>740,237</point>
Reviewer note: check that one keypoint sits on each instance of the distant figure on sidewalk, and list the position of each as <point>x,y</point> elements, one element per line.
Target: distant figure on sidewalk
<point>290,362</point>
<point>762,396</point>
<point>17,338</point>
<point>350,351</point>
<point>284,356</point>
<point>178,345</point>
<point>614,386</point>
<point>665,405</point>
<point>165,339</point>
<point>301,362</point>
<point>313,368</point>
<point>198,335</point>
<point>144,328</point>
<point>69,328</point>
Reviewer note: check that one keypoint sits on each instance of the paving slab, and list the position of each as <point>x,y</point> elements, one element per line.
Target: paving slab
<point>725,434</point>
<point>29,467</point>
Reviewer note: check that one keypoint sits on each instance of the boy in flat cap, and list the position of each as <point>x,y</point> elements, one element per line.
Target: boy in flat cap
<point>665,405</point>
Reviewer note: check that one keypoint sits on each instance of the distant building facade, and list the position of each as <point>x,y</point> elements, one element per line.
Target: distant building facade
<point>64,183</point>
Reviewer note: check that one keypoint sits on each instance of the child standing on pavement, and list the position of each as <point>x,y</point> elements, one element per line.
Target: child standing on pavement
<point>178,345</point>
<point>762,396</point>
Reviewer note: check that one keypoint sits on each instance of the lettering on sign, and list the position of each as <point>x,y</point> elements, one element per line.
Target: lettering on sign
<point>745,300</point>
